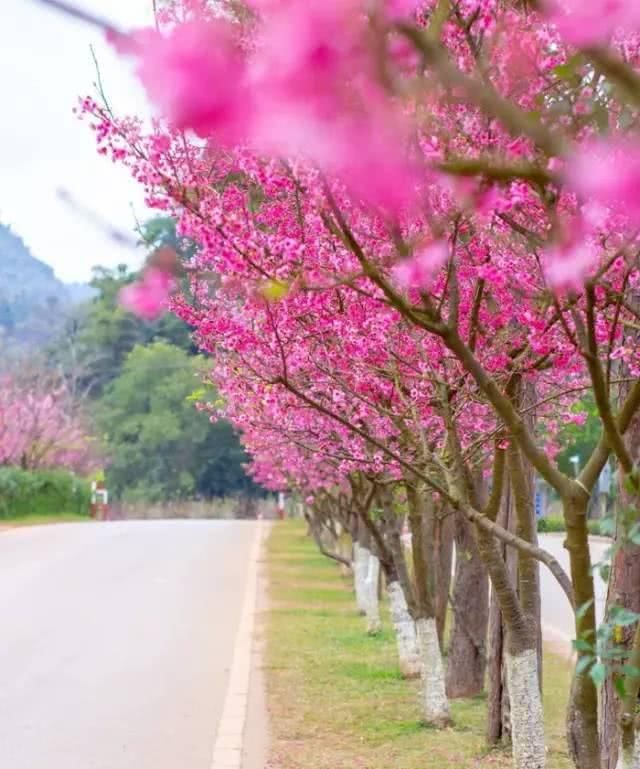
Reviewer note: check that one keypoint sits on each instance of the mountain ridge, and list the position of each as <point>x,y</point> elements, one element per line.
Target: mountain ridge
<point>34,302</point>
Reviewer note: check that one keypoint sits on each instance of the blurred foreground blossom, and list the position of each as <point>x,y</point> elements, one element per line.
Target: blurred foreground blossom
<point>607,173</point>
<point>592,22</point>
<point>195,74</point>
<point>149,297</point>
<point>418,270</point>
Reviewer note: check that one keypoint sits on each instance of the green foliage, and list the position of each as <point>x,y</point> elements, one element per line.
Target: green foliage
<point>42,492</point>
<point>579,440</point>
<point>603,655</point>
<point>100,335</point>
<point>221,465</point>
<point>152,433</point>
<point>603,527</point>
<point>551,524</point>
<point>160,447</point>
<point>161,231</point>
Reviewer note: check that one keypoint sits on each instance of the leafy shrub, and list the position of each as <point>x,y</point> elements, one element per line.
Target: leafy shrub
<point>603,527</point>
<point>556,524</point>
<point>594,527</point>
<point>42,492</point>
<point>551,524</point>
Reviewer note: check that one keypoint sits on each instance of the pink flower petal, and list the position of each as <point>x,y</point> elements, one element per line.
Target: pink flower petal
<point>607,173</point>
<point>149,297</point>
<point>195,75</point>
<point>591,22</point>
<point>418,270</point>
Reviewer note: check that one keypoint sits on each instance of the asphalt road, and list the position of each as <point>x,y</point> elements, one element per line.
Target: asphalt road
<point>116,641</point>
<point>557,616</point>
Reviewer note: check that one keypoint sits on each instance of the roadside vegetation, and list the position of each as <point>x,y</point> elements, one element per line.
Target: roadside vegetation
<point>335,694</point>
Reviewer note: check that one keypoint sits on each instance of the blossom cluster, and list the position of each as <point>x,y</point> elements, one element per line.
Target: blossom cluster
<point>393,202</point>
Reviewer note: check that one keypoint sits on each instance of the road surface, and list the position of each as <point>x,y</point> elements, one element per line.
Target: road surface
<point>557,616</point>
<point>117,640</point>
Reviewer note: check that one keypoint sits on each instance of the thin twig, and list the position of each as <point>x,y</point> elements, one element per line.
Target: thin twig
<point>78,13</point>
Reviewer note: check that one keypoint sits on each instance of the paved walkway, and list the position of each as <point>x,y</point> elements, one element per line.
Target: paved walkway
<point>128,645</point>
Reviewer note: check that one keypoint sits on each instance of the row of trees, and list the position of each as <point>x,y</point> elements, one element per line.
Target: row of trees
<point>417,228</point>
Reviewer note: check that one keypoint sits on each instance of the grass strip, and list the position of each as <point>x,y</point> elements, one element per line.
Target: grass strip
<point>335,696</point>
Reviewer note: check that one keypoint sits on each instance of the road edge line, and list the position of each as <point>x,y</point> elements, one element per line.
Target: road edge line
<point>228,745</point>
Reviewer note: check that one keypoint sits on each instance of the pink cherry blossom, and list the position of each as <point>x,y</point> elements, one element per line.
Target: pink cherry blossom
<point>419,269</point>
<point>396,10</point>
<point>350,152</point>
<point>591,22</point>
<point>149,297</point>
<point>195,74</point>
<point>566,267</point>
<point>607,172</point>
<point>40,427</point>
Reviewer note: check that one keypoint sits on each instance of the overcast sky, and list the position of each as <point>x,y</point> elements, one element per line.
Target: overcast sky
<point>46,64</point>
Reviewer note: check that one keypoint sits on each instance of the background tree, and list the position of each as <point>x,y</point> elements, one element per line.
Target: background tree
<point>156,439</point>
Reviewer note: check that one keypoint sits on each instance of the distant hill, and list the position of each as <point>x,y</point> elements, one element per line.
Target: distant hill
<point>33,301</point>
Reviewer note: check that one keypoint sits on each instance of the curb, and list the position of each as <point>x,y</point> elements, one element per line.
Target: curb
<point>227,749</point>
<point>563,535</point>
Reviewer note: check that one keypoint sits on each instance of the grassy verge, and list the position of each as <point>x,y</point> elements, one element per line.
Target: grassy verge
<point>336,700</point>
<point>39,519</point>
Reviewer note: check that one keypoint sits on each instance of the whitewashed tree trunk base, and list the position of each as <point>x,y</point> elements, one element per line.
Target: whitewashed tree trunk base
<point>360,567</point>
<point>435,706</point>
<point>405,629</point>
<point>630,759</point>
<point>372,609</point>
<point>527,723</point>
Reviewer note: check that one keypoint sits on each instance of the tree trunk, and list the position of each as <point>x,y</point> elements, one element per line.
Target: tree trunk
<point>361,555</point>
<point>405,630</point>
<point>630,759</point>
<point>496,689</point>
<point>623,590</point>
<point>498,723</point>
<point>527,724</point>
<point>528,569</point>
<point>435,706</point>
<point>582,713</point>
<point>372,605</point>
<point>402,603</point>
<point>443,546</point>
<point>345,550</point>
<point>386,533</point>
<point>434,696</point>
<point>466,661</point>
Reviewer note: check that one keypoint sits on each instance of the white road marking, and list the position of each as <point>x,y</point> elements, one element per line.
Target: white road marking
<point>227,750</point>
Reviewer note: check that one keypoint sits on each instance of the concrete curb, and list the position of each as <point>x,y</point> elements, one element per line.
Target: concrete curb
<point>227,750</point>
<point>563,535</point>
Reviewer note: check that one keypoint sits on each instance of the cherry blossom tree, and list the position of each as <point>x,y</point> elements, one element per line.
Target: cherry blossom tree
<point>39,429</point>
<point>417,221</point>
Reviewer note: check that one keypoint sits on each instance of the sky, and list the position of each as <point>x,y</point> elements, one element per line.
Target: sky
<point>46,64</point>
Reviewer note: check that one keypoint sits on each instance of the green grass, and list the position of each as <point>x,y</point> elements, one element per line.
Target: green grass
<point>39,519</point>
<point>336,699</point>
